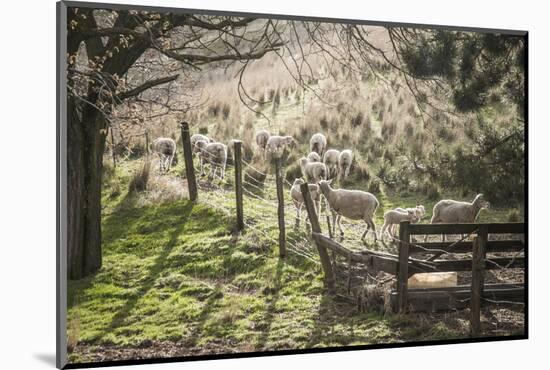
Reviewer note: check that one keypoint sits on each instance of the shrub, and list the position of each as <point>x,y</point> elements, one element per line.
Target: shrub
<point>214,109</point>
<point>513,216</point>
<point>374,186</point>
<point>138,182</point>
<point>293,171</point>
<point>324,122</point>
<point>226,110</point>
<point>357,119</point>
<point>431,191</point>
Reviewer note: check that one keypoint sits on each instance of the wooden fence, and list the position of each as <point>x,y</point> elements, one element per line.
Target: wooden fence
<point>404,265</point>
<point>238,163</point>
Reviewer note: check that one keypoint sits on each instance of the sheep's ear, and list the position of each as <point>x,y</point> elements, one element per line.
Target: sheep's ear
<point>329,181</point>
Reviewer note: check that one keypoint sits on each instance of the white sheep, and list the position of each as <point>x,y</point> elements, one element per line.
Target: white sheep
<point>318,143</point>
<point>276,146</point>
<point>330,159</point>
<point>298,199</point>
<point>197,137</point>
<point>262,137</point>
<point>165,148</point>
<point>314,157</point>
<point>230,149</point>
<point>394,217</point>
<point>452,211</point>
<point>344,162</point>
<point>352,204</point>
<point>313,171</point>
<point>419,211</point>
<point>214,154</point>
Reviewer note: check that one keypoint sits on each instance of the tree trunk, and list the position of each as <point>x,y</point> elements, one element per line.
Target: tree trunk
<point>85,147</point>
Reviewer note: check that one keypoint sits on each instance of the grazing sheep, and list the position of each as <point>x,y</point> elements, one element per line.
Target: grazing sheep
<point>276,145</point>
<point>352,204</point>
<point>230,149</point>
<point>314,157</point>
<point>166,150</point>
<point>394,217</point>
<point>344,162</point>
<point>318,143</point>
<point>197,137</point>
<point>262,137</point>
<point>313,171</point>
<point>452,211</point>
<point>214,154</point>
<point>330,159</point>
<point>298,199</point>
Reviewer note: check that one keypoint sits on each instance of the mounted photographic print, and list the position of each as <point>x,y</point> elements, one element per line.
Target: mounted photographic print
<point>235,184</point>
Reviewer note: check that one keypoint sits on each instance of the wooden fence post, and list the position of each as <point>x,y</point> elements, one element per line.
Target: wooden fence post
<point>315,227</point>
<point>113,146</point>
<point>147,144</point>
<point>188,158</point>
<point>403,272</point>
<point>238,183</point>
<point>478,272</point>
<point>281,206</point>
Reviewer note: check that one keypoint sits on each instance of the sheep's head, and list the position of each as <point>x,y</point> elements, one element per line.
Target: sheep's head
<point>420,211</point>
<point>290,142</point>
<point>324,185</point>
<point>200,145</point>
<point>412,215</point>
<point>480,202</point>
<point>323,173</point>
<point>314,157</point>
<point>298,181</point>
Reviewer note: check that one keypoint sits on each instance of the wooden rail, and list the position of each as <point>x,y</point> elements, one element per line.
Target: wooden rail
<point>493,228</point>
<point>467,246</point>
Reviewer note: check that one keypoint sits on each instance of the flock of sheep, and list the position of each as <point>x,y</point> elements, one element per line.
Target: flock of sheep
<point>319,168</point>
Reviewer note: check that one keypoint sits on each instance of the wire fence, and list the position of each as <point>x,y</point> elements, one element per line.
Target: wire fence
<point>260,202</point>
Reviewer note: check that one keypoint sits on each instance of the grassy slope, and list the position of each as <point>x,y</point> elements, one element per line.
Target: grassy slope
<point>175,272</point>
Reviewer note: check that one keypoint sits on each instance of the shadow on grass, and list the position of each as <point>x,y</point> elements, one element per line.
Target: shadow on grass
<point>270,313</point>
<point>154,271</point>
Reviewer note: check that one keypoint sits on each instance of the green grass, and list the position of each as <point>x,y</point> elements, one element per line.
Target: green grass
<point>176,272</point>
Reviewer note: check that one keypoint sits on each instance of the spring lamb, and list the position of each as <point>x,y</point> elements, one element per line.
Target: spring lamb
<point>394,217</point>
<point>312,171</point>
<point>298,199</point>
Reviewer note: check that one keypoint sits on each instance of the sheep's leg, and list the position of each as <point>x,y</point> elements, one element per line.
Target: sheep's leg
<point>202,167</point>
<point>298,214</point>
<point>170,163</point>
<point>365,232</point>
<point>370,224</point>
<point>334,216</point>
<point>384,230</point>
<point>339,220</point>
